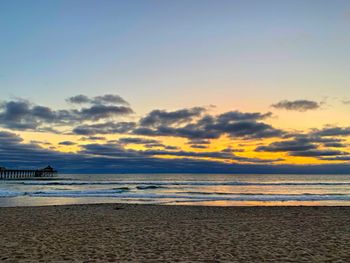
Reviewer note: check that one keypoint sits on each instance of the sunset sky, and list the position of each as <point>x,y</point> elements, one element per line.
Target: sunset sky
<point>176,86</point>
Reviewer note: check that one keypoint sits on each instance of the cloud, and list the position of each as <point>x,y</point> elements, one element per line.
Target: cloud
<point>287,146</point>
<point>16,115</point>
<point>104,128</point>
<point>169,147</point>
<point>78,99</point>
<point>100,117</point>
<point>317,153</point>
<point>231,150</point>
<point>16,154</point>
<point>198,141</point>
<point>158,118</point>
<point>219,155</point>
<point>95,116</point>
<point>9,138</point>
<point>108,98</point>
<point>242,116</point>
<point>40,142</point>
<point>302,142</point>
<point>234,124</point>
<point>147,143</point>
<point>117,151</point>
<point>335,144</point>
<point>23,115</point>
<point>332,131</point>
<point>127,140</point>
<point>93,138</point>
<point>307,145</point>
<point>297,105</point>
<point>109,149</point>
<point>198,146</point>
<point>67,143</point>
<point>336,158</point>
<point>97,112</point>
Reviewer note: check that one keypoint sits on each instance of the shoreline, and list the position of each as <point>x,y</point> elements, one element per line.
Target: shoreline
<point>23,201</point>
<point>166,233</point>
<point>190,205</point>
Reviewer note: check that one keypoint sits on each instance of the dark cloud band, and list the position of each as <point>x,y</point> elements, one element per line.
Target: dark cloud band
<point>297,105</point>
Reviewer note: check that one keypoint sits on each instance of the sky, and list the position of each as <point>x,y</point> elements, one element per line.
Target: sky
<point>175,86</point>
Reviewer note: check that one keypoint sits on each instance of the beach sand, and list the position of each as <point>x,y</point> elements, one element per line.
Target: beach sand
<point>146,233</point>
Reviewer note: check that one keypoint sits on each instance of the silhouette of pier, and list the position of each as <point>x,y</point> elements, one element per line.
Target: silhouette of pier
<point>22,174</point>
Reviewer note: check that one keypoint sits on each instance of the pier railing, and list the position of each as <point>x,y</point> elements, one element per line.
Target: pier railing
<point>22,174</point>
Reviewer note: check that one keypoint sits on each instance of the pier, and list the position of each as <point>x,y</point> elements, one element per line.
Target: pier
<point>23,174</point>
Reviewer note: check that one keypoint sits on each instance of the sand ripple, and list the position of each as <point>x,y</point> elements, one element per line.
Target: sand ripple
<point>144,233</point>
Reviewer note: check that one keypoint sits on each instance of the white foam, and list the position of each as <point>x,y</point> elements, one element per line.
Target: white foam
<point>8,193</point>
<point>170,183</point>
<point>252,197</point>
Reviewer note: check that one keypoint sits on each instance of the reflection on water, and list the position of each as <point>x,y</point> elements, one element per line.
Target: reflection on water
<point>180,189</point>
<point>269,203</point>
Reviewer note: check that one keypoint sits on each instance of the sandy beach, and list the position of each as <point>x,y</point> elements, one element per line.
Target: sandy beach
<point>146,233</point>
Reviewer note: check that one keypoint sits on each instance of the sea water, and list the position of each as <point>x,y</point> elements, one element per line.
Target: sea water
<point>179,189</point>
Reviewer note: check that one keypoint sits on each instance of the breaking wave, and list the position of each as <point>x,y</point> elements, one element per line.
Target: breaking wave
<point>182,183</point>
<point>121,194</point>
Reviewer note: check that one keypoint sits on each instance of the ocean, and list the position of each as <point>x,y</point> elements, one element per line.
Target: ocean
<point>179,189</point>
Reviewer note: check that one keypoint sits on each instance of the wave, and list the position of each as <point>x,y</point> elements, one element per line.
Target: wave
<point>145,187</point>
<point>205,197</point>
<point>181,183</point>
<point>122,194</point>
<point>8,193</point>
<point>78,193</point>
<point>253,194</point>
<point>122,188</point>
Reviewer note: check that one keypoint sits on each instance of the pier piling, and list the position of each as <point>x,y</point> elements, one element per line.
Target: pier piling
<point>22,174</point>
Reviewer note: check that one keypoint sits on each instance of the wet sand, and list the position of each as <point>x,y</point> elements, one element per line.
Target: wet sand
<point>146,233</point>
